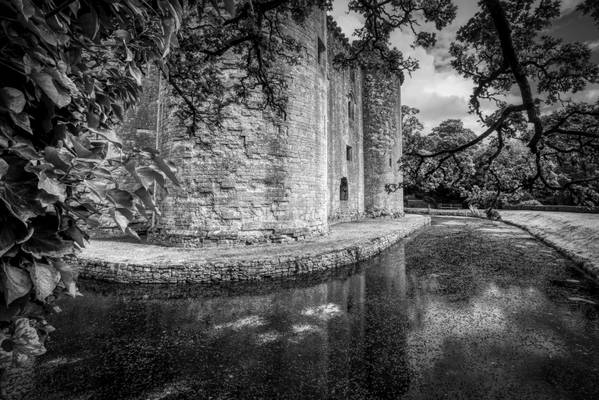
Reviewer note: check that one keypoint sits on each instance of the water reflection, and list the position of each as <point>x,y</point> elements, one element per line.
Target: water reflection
<point>342,337</point>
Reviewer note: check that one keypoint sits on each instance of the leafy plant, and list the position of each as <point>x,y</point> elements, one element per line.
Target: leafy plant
<point>68,72</point>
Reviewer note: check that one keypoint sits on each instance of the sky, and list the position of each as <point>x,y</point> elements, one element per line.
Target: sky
<point>436,89</point>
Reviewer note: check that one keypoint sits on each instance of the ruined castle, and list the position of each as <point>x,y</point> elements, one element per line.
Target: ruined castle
<point>258,181</point>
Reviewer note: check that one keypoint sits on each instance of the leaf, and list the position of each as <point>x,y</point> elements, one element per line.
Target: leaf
<point>22,121</point>
<point>45,240</point>
<point>121,198</point>
<point>46,83</point>
<point>93,120</point>
<point>15,282</point>
<point>25,7</point>
<point>3,167</point>
<point>12,230</point>
<point>90,24</point>
<point>52,186</point>
<point>79,148</point>
<point>149,175</point>
<point>75,233</point>
<point>131,232</point>
<point>135,73</point>
<point>123,34</point>
<point>13,99</point>
<point>100,189</point>
<point>118,111</point>
<point>45,278</point>
<point>52,155</point>
<point>147,200</point>
<point>166,169</point>
<point>119,217</point>
<point>130,167</point>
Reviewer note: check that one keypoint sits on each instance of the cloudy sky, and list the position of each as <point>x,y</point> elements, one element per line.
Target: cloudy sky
<point>439,92</point>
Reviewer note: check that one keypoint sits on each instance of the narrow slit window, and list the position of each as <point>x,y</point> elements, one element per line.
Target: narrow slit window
<point>343,190</point>
<point>390,162</point>
<point>321,49</point>
<point>348,153</point>
<point>350,110</point>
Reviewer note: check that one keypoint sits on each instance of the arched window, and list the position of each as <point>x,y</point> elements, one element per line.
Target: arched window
<point>350,106</point>
<point>343,190</point>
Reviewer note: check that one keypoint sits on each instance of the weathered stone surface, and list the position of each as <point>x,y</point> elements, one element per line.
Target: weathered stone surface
<point>347,243</point>
<point>261,179</point>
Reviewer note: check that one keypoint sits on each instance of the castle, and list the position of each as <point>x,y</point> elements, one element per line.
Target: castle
<point>256,180</point>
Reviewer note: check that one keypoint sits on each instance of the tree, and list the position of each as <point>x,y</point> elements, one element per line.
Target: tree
<point>502,48</point>
<point>454,174</point>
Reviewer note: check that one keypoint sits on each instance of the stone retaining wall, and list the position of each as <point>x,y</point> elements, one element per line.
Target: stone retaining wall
<point>240,268</point>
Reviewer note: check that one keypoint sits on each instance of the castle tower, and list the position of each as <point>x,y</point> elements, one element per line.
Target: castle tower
<point>258,179</point>
<point>382,142</point>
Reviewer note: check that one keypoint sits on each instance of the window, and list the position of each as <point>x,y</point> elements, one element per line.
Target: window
<point>348,153</point>
<point>352,75</point>
<point>390,162</point>
<point>350,109</point>
<point>321,49</point>
<point>343,190</point>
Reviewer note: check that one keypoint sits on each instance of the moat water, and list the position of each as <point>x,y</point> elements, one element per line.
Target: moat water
<point>419,321</point>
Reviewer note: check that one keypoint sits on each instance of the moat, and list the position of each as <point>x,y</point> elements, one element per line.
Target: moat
<point>466,309</point>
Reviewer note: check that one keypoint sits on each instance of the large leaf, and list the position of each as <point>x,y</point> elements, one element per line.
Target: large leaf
<point>15,282</point>
<point>164,167</point>
<point>58,96</point>
<point>12,230</point>
<point>45,278</point>
<point>45,240</point>
<point>121,198</point>
<point>13,99</point>
<point>53,155</point>
<point>149,175</point>
<point>121,218</point>
<point>147,200</point>
<point>52,186</point>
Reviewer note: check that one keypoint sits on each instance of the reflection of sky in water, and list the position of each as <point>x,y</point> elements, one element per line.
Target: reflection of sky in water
<point>381,332</point>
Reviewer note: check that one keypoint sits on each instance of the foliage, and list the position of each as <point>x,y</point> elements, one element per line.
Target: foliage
<point>505,47</point>
<point>68,71</point>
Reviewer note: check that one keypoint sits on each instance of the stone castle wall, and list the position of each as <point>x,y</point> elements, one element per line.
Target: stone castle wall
<point>261,179</point>
<point>345,139</point>
<point>257,179</point>
<point>382,143</point>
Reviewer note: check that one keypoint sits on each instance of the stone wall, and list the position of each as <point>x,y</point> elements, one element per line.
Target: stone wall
<point>382,143</point>
<point>345,150</point>
<point>258,179</point>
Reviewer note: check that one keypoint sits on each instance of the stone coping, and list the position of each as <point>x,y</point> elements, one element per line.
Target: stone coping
<point>347,243</point>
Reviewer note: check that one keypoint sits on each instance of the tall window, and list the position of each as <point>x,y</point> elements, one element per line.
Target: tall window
<point>321,49</point>
<point>348,153</point>
<point>343,190</point>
